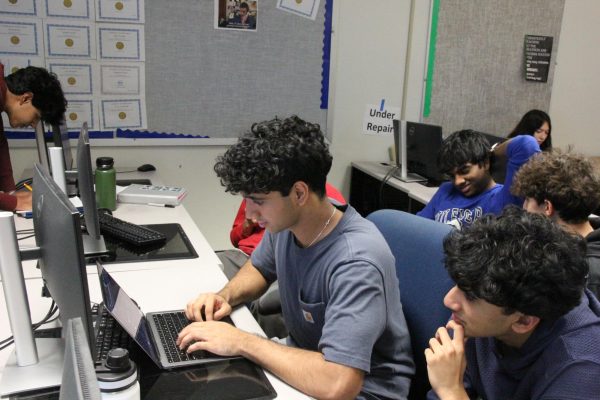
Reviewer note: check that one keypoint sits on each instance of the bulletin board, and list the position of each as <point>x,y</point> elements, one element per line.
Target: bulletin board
<point>202,80</point>
<point>476,78</point>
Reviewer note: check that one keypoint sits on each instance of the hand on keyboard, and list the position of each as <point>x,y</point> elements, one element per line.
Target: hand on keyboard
<point>207,307</point>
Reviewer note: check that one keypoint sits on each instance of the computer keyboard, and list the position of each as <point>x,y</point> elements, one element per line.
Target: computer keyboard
<point>109,334</point>
<point>128,232</point>
<point>169,325</point>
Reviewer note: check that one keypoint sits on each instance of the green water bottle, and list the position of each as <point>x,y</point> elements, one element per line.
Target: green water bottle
<point>106,183</point>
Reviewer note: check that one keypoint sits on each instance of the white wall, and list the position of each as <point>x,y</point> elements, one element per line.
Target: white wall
<point>575,103</point>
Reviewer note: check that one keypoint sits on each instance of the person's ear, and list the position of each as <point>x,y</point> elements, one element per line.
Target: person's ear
<point>549,209</point>
<point>25,98</point>
<point>299,192</point>
<point>525,323</point>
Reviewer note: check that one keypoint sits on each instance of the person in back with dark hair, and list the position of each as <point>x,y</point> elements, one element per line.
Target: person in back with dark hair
<point>337,280</point>
<point>27,96</point>
<point>465,157</point>
<point>535,123</point>
<point>566,188</point>
<point>532,328</point>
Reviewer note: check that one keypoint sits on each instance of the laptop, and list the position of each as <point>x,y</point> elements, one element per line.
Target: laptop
<point>154,332</point>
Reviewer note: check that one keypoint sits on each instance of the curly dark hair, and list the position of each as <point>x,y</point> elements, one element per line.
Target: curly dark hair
<point>531,121</point>
<point>519,261</point>
<point>274,155</point>
<point>568,181</point>
<point>462,147</point>
<point>48,96</point>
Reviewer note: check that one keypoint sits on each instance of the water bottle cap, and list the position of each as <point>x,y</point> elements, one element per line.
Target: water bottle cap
<point>118,360</point>
<point>104,162</point>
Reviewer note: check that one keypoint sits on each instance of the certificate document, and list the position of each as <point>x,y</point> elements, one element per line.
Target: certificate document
<point>75,78</point>
<point>124,78</point>
<point>69,40</point>
<point>80,111</point>
<point>123,113</point>
<point>304,8</point>
<point>25,8</point>
<point>15,63</point>
<point>20,37</point>
<point>121,42</point>
<point>120,11</point>
<point>69,9</point>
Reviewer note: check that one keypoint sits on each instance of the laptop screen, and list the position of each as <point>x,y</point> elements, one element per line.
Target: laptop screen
<point>126,312</point>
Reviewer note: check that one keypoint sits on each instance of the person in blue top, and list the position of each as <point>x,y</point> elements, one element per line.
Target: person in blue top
<point>531,327</point>
<point>472,192</point>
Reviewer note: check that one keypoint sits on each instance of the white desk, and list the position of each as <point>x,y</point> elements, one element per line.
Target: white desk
<point>176,281</point>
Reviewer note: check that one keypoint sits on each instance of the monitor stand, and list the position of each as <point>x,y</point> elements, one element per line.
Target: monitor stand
<point>405,176</point>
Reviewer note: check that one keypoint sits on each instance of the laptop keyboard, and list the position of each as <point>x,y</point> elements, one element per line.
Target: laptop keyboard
<point>109,334</point>
<point>169,325</point>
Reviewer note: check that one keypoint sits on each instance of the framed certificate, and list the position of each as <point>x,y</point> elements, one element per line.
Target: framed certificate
<point>69,40</point>
<point>83,9</point>
<point>120,11</point>
<point>80,111</point>
<point>20,37</point>
<point>25,8</point>
<point>14,63</point>
<point>123,78</point>
<point>304,8</point>
<point>75,78</point>
<point>122,113</point>
<point>121,42</point>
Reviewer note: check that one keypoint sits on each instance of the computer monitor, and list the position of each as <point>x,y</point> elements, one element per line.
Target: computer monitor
<point>57,227</point>
<point>60,134</point>
<point>79,374</point>
<point>93,240</point>
<point>498,163</point>
<point>423,143</point>
<point>40,141</point>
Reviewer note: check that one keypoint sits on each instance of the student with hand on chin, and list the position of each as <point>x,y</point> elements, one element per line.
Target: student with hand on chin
<point>531,327</point>
<point>27,95</point>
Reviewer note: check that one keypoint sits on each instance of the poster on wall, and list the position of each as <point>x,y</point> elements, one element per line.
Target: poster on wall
<point>538,50</point>
<point>236,14</point>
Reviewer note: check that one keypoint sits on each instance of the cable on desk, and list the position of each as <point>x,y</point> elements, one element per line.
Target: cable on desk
<point>47,318</point>
<point>21,184</point>
<point>384,181</point>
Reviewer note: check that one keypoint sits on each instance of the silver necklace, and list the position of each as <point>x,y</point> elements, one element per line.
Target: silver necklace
<point>322,230</point>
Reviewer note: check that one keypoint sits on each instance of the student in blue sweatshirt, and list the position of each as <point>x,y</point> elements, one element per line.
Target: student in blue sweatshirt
<point>465,157</point>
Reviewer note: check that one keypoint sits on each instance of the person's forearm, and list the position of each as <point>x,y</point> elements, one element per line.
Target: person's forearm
<point>247,285</point>
<point>307,371</point>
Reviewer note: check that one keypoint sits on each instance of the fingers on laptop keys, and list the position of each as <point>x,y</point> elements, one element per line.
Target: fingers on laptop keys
<point>207,307</point>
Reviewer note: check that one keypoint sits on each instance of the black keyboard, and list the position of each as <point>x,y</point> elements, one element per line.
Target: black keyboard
<point>126,231</point>
<point>109,334</point>
<point>169,325</point>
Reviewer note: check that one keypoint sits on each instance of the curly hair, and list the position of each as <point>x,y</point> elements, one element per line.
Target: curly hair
<point>462,147</point>
<point>48,96</point>
<point>274,155</point>
<point>531,121</point>
<point>519,261</point>
<point>568,181</point>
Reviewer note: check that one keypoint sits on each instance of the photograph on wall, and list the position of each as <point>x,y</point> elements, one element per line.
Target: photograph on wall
<point>236,14</point>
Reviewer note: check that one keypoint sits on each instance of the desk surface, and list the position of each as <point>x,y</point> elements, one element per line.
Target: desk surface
<point>155,285</point>
<point>378,170</point>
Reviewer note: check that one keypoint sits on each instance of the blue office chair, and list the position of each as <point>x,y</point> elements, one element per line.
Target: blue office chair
<point>416,243</point>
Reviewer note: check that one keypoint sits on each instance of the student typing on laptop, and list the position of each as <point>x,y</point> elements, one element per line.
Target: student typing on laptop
<point>338,285</point>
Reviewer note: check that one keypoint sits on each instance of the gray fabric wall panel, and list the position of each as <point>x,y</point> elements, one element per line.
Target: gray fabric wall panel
<point>479,79</point>
<point>218,82</point>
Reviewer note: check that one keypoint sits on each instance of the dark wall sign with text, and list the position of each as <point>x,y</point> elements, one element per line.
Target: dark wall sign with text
<point>538,50</point>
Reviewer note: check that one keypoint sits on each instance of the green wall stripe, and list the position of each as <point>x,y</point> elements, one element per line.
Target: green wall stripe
<point>431,58</point>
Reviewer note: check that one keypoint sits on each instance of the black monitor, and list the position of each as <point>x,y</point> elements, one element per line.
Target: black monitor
<point>57,227</point>
<point>498,164</point>
<point>79,374</point>
<point>423,143</point>
<point>60,134</point>
<point>93,240</point>
<point>40,141</point>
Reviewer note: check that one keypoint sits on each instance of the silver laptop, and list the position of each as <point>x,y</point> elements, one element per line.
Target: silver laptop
<point>154,332</point>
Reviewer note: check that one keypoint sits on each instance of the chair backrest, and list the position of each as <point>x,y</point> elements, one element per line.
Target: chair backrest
<point>416,243</point>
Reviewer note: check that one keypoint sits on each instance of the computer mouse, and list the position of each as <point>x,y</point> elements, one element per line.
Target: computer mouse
<point>146,168</point>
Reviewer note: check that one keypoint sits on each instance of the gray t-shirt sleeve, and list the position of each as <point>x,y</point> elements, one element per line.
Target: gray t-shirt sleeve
<point>263,258</point>
<point>357,305</point>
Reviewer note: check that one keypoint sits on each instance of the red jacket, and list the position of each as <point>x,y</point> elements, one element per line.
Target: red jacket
<point>7,182</point>
<point>247,243</point>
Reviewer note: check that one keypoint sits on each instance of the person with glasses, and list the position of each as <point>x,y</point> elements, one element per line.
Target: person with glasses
<point>27,96</point>
<point>535,123</point>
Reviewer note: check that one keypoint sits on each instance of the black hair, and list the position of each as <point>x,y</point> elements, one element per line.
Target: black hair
<point>273,156</point>
<point>462,147</point>
<point>519,261</point>
<point>244,5</point>
<point>48,96</point>
<point>532,121</point>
